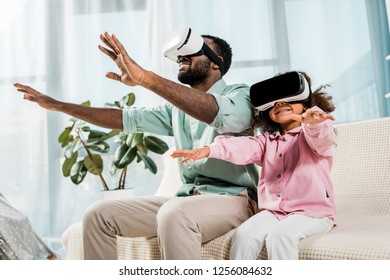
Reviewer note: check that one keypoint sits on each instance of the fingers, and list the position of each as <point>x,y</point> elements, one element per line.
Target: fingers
<point>109,53</point>
<point>26,89</point>
<point>20,87</point>
<point>188,155</point>
<point>192,155</point>
<point>119,46</point>
<point>320,116</point>
<point>109,41</point>
<point>180,153</point>
<point>29,93</point>
<point>316,115</point>
<point>113,43</point>
<point>28,96</point>
<point>113,76</point>
<point>105,41</point>
<point>330,117</point>
<point>312,116</point>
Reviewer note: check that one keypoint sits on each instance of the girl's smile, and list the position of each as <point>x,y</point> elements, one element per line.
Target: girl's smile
<point>281,113</point>
<point>282,110</point>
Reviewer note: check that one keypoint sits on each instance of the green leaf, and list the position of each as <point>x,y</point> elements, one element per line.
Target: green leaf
<point>78,172</point>
<point>121,138</point>
<point>86,103</point>
<point>149,163</point>
<point>130,99</point>
<point>100,146</point>
<point>68,163</point>
<point>142,148</point>
<point>95,135</point>
<point>109,135</point>
<point>89,164</point>
<point>155,144</point>
<point>124,155</point>
<point>134,139</point>
<point>71,148</point>
<point>65,136</point>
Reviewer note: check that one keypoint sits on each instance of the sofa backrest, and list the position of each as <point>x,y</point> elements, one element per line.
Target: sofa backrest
<point>361,170</point>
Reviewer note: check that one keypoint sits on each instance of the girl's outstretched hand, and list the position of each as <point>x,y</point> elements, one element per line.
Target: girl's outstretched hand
<point>191,155</point>
<point>311,116</point>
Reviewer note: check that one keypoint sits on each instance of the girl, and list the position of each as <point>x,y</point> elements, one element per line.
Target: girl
<point>295,193</point>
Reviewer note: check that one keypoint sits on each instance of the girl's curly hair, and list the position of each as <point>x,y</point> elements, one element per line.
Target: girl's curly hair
<point>319,98</point>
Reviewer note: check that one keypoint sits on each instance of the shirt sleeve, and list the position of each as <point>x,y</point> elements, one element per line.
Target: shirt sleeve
<point>235,110</point>
<point>156,120</point>
<point>320,137</point>
<point>238,150</point>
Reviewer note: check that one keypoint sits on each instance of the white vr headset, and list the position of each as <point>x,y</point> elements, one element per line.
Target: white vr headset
<point>289,87</point>
<point>185,42</point>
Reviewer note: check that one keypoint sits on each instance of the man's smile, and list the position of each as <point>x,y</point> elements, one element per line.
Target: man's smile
<point>184,65</point>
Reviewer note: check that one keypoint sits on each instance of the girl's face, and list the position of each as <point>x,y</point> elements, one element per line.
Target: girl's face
<point>282,111</point>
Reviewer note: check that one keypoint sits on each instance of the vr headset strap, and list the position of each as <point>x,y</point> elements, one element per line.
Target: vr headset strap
<point>213,57</point>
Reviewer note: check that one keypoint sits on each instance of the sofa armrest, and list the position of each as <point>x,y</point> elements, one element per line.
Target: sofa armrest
<point>170,181</point>
<point>72,239</point>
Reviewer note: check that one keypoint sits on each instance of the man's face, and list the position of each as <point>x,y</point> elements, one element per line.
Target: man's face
<point>193,70</point>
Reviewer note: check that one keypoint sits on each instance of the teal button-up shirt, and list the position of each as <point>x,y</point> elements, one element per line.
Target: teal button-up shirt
<point>207,175</point>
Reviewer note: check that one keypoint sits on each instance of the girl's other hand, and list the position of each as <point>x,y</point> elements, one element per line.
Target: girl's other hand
<point>312,116</point>
<point>191,155</point>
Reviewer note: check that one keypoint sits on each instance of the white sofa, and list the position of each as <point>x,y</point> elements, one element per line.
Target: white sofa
<point>361,177</point>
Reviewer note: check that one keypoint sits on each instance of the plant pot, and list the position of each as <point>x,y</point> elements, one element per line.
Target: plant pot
<point>117,194</point>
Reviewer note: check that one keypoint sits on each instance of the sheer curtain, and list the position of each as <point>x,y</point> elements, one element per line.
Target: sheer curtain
<point>52,46</point>
<point>24,136</point>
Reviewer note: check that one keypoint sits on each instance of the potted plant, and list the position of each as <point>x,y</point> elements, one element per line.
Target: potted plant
<point>84,148</point>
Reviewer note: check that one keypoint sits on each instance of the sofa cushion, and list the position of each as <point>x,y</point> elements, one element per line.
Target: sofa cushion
<point>353,239</point>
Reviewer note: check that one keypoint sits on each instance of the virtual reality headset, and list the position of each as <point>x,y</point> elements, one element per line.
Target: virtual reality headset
<point>289,87</point>
<point>185,42</point>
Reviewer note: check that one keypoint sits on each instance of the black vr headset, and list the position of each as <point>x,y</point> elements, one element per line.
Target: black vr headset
<point>289,87</point>
<point>185,42</point>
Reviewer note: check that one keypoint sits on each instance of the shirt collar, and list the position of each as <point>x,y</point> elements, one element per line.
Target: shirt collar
<point>278,136</point>
<point>218,87</point>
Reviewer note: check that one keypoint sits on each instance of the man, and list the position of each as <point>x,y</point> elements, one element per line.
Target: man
<point>214,197</point>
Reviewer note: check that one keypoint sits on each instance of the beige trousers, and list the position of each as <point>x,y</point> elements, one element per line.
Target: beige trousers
<point>180,223</point>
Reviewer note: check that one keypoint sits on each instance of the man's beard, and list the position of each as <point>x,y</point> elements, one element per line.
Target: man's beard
<point>195,76</point>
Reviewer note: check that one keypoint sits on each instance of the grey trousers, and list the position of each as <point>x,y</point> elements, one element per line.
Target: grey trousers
<point>180,223</point>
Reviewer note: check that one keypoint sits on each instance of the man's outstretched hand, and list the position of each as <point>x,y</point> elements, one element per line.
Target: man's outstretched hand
<point>131,73</point>
<point>32,95</point>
